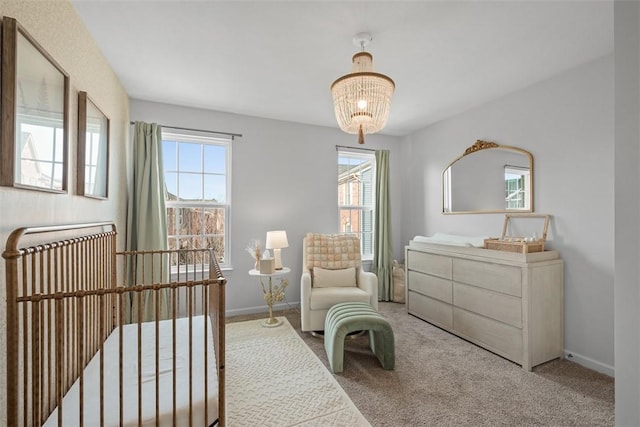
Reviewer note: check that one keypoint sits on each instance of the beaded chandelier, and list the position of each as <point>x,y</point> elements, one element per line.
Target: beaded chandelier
<point>362,98</point>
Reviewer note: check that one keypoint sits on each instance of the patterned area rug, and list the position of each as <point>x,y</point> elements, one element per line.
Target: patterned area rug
<point>274,379</point>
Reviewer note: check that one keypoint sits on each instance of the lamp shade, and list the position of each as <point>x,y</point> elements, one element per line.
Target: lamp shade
<point>362,99</point>
<point>276,239</point>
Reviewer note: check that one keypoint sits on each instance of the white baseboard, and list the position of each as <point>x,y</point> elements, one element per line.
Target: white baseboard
<point>262,309</point>
<point>590,363</point>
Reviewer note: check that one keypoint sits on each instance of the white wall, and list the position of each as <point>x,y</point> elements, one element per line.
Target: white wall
<point>57,27</point>
<point>284,176</point>
<point>627,208</point>
<point>567,123</point>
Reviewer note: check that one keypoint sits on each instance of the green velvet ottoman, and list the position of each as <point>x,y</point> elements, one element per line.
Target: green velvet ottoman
<point>348,317</point>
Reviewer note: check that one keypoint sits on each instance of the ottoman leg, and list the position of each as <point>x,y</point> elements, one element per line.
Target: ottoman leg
<point>382,343</point>
<point>334,345</point>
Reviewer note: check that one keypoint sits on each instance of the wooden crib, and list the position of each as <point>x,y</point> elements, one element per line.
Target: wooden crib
<point>80,347</point>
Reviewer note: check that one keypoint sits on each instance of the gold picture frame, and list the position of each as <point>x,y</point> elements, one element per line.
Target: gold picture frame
<point>35,114</point>
<point>92,172</point>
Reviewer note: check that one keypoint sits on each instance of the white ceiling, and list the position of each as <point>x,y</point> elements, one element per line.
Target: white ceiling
<point>277,59</point>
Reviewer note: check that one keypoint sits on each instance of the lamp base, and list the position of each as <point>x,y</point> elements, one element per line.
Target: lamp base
<point>271,322</point>
<point>277,256</point>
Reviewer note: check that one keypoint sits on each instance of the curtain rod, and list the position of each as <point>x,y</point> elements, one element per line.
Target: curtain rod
<point>354,148</point>
<point>233,135</point>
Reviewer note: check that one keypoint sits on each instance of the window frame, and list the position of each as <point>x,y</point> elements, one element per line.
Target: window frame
<point>189,137</point>
<point>370,157</point>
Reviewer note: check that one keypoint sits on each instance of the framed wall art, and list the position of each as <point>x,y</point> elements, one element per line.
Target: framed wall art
<point>35,114</point>
<point>93,149</point>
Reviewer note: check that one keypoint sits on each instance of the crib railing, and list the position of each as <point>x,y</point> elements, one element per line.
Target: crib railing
<point>65,297</point>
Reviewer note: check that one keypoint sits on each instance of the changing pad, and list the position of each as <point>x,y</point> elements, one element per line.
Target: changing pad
<point>453,240</point>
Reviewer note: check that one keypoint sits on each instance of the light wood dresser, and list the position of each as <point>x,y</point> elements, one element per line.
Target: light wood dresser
<point>508,303</point>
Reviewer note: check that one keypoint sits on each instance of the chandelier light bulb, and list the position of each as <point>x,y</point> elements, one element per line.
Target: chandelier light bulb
<point>362,104</point>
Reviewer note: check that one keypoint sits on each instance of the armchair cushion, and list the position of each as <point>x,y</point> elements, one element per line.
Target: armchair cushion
<point>325,298</point>
<point>323,278</point>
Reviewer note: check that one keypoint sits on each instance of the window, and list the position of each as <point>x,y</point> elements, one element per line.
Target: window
<point>356,191</point>
<point>517,181</point>
<point>198,186</point>
<point>40,154</point>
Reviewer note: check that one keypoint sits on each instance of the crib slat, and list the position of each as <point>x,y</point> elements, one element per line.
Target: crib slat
<point>101,329</point>
<point>139,320</point>
<point>123,300</point>
<point>35,363</point>
<point>59,304</point>
<point>25,339</point>
<point>190,302</point>
<point>80,360</point>
<point>49,336</point>
<point>156,298</point>
<point>173,352</point>
<point>205,319</point>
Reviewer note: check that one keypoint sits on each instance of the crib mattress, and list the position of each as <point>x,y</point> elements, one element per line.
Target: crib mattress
<point>91,399</point>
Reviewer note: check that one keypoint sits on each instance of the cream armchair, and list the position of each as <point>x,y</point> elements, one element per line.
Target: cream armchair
<point>332,273</point>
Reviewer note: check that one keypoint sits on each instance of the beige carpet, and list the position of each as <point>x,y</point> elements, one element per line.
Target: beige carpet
<point>274,379</point>
<point>442,380</point>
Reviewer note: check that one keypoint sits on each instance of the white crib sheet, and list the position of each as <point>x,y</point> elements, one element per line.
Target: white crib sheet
<point>91,393</point>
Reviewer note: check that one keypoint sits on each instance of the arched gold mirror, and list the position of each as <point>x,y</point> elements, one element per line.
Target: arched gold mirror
<point>488,178</point>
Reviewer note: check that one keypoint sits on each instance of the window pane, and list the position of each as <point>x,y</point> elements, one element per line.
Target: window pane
<point>171,221</point>
<point>57,175</point>
<point>189,221</point>
<point>190,157</point>
<point>189,186</point>
<point>366,238</point>
<point>367,244</point>
<point>169,156</point>
<point>217,243</point>
<point>215,158</point>
<point>349,221</point>
<point>171,183</point>
<point>59,145</point>
<point>215,188</point>
<point>214,221</point>
<point>190,243</point>
<point>38,143</point>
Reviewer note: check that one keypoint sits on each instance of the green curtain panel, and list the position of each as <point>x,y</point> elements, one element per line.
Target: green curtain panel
<point>147,220</point>
<point>383,254</point>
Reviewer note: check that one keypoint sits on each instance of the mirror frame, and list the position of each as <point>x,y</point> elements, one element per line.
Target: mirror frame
<point>11,31</point>
<point>480,145</point>
<point>84,103</point>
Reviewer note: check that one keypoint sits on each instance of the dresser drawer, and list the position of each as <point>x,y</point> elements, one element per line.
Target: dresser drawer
<point>431,286</point>
<point>496,277</point>
<point>431,310</point>
<point>427,263</point>
<point>505,308</point>
<point>495,336</point>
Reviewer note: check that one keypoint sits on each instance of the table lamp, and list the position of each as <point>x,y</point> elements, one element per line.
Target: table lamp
<point>277,240</point>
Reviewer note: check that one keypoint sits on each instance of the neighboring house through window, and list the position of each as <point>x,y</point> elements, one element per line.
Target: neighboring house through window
<point>198,187</point>
<point>356,191</point>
